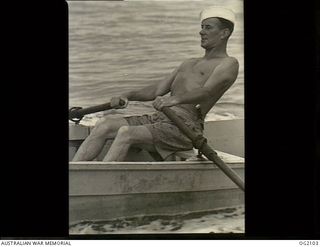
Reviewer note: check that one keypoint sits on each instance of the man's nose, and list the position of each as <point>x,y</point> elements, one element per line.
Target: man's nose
<point>202,32</point>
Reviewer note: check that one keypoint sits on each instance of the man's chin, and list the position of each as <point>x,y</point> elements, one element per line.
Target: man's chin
<point>203,45</point>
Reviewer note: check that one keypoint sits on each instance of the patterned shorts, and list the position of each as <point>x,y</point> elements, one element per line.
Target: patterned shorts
<point>167,138</point>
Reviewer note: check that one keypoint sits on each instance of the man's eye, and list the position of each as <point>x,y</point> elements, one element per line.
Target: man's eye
<point>206,27</point>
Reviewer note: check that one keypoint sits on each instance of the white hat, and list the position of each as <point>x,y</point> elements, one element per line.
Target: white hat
<point>218,12</point>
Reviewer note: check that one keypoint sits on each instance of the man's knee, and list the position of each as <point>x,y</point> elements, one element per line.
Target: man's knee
<point>129,135</point>
<point>107,125</point>
<point>132,135</point>
<point>125,134</point>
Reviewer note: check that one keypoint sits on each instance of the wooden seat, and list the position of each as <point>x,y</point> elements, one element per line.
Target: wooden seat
<point>143,155</point>
<point>189,155</point>
<point>182,155</point>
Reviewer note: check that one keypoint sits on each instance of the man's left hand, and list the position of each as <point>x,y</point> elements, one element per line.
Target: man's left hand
<point>160,102</point>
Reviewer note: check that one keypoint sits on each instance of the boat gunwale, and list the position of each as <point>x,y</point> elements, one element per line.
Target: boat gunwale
<point>109,166</point>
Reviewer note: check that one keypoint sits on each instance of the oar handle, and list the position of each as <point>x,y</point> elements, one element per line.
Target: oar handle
<point>77,113</point>
<point>200,143</point>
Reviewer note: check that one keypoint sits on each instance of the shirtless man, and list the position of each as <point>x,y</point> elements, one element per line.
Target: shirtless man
<point>194,88</point>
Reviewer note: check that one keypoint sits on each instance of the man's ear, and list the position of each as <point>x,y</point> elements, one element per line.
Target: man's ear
<point>225,33</point>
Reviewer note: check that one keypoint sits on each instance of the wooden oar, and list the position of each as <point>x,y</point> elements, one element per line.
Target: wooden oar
<point>200,143</point>
<point>77,113</point>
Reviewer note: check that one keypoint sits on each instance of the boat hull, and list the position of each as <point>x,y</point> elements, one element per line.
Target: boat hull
<point>105,190</point>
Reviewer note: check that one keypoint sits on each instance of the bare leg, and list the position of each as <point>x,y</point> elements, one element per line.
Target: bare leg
<point>129,136</point>
<point>105,129</point>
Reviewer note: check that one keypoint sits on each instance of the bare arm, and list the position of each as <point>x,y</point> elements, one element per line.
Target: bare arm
<point>218,82</point>
<point>149,93</point>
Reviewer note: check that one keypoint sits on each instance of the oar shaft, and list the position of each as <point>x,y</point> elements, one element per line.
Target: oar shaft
<point>211,155</point>
<point>200,143</point>
<point>181,125</point>
<point>89,110</point>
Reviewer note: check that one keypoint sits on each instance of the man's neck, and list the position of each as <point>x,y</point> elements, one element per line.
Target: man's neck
<point>217,51</point>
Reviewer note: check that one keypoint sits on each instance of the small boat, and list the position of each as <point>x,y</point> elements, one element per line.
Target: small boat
<point>144,186</point>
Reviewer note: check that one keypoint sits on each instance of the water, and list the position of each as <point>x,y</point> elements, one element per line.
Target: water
<point>225,220</point>
<point>121,46</point>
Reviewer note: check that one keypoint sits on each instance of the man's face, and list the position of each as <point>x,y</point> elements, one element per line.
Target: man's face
<point>211,34</point>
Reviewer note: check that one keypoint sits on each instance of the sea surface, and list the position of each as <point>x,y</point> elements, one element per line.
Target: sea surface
<point>223,220</point>
<point>117,46</point>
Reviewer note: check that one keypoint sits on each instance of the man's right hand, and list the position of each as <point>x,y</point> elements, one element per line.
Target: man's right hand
<point>119,102</point>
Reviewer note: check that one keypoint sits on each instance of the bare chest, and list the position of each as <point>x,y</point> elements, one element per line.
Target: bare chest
<point>192,75</point>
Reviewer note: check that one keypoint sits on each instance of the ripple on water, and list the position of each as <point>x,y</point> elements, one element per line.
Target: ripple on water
<point>224,220</point>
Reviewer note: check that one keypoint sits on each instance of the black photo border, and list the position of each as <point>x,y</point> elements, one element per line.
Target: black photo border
<point>281,109</point>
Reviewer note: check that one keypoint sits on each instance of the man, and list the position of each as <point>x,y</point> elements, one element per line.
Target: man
<point>194,88</point>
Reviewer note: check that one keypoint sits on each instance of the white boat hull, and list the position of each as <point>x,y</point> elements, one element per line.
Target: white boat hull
<point>106,190</point>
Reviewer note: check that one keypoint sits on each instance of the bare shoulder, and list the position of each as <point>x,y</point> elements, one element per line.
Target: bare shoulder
<point>229,65</point>
<point>189,61</point>
<point>230,61</point>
